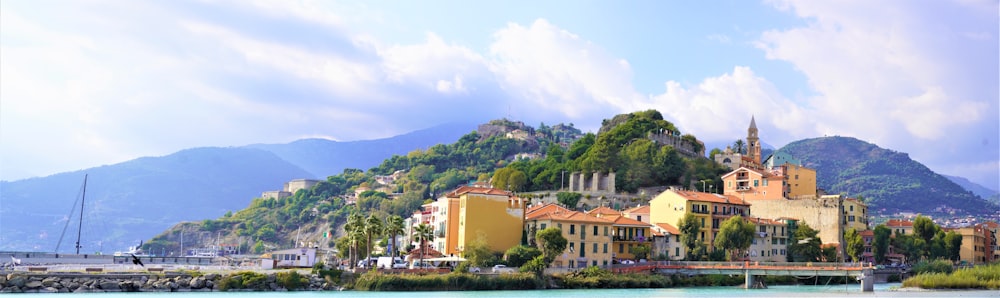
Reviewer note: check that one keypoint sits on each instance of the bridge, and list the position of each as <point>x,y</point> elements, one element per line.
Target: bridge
<point>865,274</point>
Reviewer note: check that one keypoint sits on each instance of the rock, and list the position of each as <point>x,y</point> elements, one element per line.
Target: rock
<point>198,283</point>
<point>48,281</point>
<point>110,285</point>
<point>3,280</point>
<point>11,289</point>
<point>17,281</point>
<point>209,284</point>
<point>49,290</point>
<point>34,284</point>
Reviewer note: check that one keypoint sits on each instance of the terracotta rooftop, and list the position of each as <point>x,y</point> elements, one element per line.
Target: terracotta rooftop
<point>899,223</point>
<point>546,208</point>
<point>710,197</point>
<point>867,233</point>
<point>765,221</point>
<point>477,190</point>
<point>638,209</point>
<point>603,210</point>
<point>669,228</point>
<point>620,220</point>
<point>567,216</point>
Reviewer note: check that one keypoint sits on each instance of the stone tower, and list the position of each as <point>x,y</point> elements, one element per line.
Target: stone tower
<point>753,142</point>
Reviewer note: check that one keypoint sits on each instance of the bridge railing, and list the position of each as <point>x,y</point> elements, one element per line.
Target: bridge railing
<point>749,264</point>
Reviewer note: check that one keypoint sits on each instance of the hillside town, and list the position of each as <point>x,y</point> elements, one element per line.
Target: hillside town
<point>776,194</point>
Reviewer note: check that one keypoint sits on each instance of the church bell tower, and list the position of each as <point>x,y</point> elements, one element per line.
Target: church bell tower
<point>753,142</point>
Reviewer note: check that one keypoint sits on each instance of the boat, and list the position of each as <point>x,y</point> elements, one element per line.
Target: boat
<point>133,251</point>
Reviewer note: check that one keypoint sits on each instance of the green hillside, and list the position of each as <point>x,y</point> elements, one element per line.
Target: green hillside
<point>622,147</point>
<point>889,180</point>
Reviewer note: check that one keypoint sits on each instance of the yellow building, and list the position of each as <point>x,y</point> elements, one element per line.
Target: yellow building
<point>588,237</point>
<point>751,184</point>
<point>855,214</point>
<point>770,242</point>
<point>974,245</point>
<point>899,226</point>
<point>709,209</point>
<point>799,180</point>
<point>497,215</point>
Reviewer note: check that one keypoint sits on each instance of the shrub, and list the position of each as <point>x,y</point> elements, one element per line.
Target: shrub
<point>935,266</point>
<point>243,280</point>
<point>292,280</point>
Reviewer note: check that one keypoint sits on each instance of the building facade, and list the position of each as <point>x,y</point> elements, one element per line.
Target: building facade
<point>588,237</point>
<point>709,209</point>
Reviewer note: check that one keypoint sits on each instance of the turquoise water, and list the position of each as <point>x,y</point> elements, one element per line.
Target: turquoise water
<point>881,290</point>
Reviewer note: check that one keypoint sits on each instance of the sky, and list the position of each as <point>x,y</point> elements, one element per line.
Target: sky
<point>97,82</point>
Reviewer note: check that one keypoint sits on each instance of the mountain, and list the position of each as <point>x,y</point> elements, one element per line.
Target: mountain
<point>136,199</point>
<point>889,180</point>
<point>979,190</point>
<point>324,158</point>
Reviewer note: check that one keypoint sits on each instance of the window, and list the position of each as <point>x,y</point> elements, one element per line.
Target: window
<point>595,230</point>
<point>605,248</point>
<point>594,263</point>
<point>572,229</point>
<point>572,247</point>
<point>677,251</point>
<point>638,217</point>
<point>756,182</point>
<point>559,225</point>
<point>703,221</point>
<point>621,248</point>
<point>852,208</point>
<point>543,226</point>
<point>583,250</point>
<point>583,231</point>
<point>605,231</point>
<point>595,248</point>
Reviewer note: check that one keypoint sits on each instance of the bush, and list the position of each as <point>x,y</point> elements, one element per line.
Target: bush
<point>536,266</point>
<point>374,281</point>
<point>981,277</point>
<point>935,266</point>
<point>292,280</point>
<point>243,280</point>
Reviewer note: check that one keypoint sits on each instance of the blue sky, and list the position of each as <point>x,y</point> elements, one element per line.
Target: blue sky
<point>89,83</point>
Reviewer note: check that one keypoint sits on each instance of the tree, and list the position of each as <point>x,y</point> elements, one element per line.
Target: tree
<point>739,146</point>
<point>924,228</point>
<point>953,244</point>
<point>735,236</point>
<point>478,252</point>
<point>518,255</point>
<point>353,228</point>
<point>393,227</point>
<point>551,243</point>
<point>855,244</point>
<point>880,245</point>
<point>640,251</point>
<point>423,233</point>
<point>372,228</point>
<point>689,228</point>
<point>569,199</point>
<point>806,248</point>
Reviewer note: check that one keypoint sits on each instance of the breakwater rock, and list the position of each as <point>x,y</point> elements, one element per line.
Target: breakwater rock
<point>66,282</point>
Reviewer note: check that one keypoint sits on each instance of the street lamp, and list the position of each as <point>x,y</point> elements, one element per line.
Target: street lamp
<point>703,185</point>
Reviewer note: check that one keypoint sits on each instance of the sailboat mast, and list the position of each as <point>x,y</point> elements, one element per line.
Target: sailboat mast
<point>83,201</point>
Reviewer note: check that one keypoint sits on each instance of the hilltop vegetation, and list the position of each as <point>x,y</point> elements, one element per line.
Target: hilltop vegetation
<point>889,180</point>
<point>503,148</point>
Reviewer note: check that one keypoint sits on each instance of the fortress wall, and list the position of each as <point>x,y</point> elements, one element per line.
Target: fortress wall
<point>822,214</point>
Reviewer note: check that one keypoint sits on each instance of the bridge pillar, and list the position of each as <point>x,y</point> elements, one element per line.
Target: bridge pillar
<point>867,280</point>
<point>752,282</point>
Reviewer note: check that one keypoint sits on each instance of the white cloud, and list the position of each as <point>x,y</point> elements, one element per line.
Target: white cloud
<point>557,72</point>
<point>883,73</point>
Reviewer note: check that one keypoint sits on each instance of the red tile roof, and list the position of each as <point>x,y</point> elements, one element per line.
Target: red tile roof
<point>868,233</point>
<point>603,210</point>
<point>477,190</point>
<point>624,221</point>
<point>569,216</point>
<point>899,223</point>
<point>710,197</point>
<point>669,228</point>
<point>546,208</point>
<point>638,209</point>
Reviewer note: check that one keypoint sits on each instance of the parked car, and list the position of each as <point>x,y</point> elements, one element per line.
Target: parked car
<point>502,269</point>
<point>474,269</point>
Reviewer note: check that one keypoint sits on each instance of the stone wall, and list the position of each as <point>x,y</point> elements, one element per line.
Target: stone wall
<point>70,282</point>
<point>820,213</point>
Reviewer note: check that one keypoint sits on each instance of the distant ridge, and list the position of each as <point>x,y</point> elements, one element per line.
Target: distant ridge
<point>889,179</point>
<point>324,158</point>
<point>139,198</point>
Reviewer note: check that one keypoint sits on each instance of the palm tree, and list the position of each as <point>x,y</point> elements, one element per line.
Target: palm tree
<point>355,224</point>
<point>422,233</point>
<point>393,227</point>
<point>739,146</point>
<point>373,228</point>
